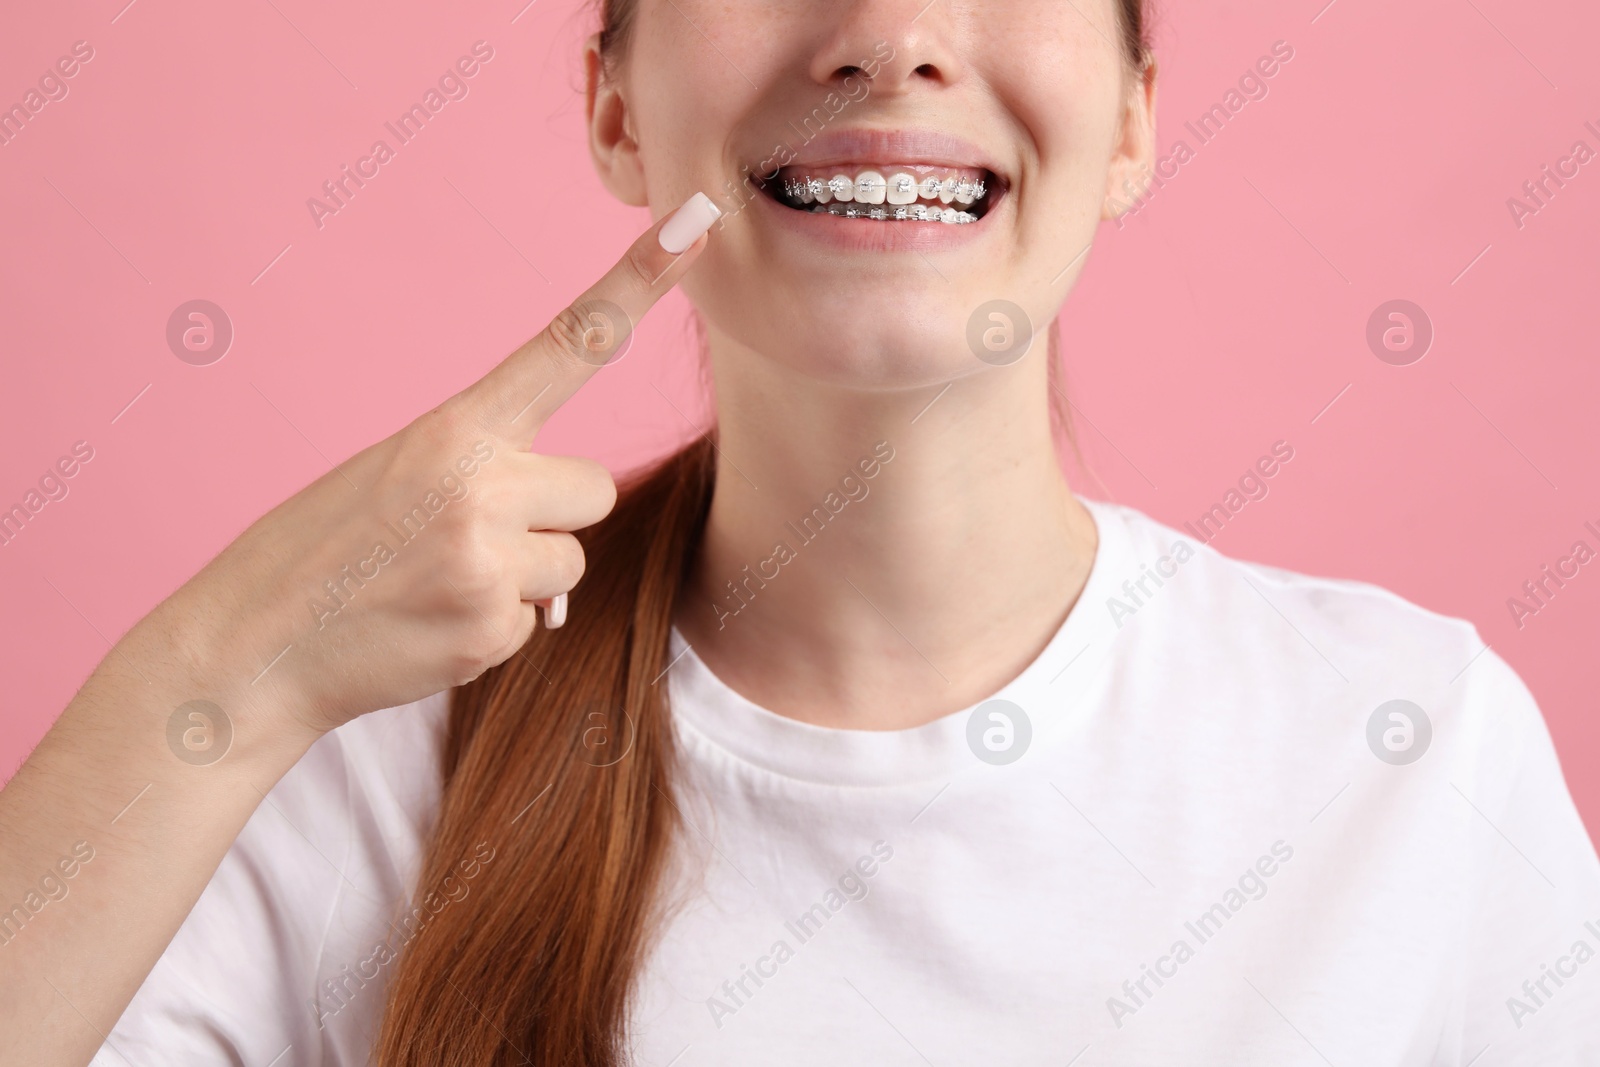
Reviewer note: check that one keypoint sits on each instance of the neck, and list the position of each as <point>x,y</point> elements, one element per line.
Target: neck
<point>876,560</point>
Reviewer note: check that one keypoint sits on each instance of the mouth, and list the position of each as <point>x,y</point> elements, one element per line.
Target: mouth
<point>889,193</point>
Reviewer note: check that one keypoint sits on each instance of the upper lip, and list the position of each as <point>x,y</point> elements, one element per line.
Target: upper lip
<point>914,147</point>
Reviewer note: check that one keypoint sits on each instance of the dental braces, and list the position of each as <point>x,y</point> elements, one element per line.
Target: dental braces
<point>928,188</point>
<point>897,212</point>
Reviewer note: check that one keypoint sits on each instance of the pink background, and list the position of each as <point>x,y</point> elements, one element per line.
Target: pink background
<point>1224,316</point>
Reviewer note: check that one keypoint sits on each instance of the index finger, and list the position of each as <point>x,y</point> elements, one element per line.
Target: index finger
<point>529,385</point>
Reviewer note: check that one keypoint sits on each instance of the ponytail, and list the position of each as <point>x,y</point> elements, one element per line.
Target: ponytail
<point>558,768</point>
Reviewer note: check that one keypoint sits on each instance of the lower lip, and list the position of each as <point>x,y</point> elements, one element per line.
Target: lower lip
<point>871,235</point>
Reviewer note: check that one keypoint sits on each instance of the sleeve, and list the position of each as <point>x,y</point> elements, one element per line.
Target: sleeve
<point>1533,970</point>
<point>276,962</point>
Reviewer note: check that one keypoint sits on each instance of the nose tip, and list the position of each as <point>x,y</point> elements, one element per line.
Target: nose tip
<point>891,45</point>
<point>885,76</point>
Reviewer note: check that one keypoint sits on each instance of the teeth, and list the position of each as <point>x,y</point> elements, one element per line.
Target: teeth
<point>901,196</point>
<point>870,187</point>
<point>902,188</point>
<point>912,213</point>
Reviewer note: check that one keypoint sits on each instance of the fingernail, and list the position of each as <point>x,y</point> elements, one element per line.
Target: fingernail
<point>556,613</point>
<point>688,223</point>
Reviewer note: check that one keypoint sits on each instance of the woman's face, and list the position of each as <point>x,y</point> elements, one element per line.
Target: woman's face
<point>874,106</point>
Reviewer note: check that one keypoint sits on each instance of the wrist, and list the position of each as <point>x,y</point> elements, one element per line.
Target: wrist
<point>217,691</point>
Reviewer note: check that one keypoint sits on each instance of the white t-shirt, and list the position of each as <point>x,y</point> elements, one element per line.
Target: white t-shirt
<point>1218,843</point>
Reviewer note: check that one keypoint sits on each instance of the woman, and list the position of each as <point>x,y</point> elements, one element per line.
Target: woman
<point>863,737</point>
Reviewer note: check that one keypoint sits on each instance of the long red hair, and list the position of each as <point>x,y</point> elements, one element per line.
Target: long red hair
<point>560,760</point>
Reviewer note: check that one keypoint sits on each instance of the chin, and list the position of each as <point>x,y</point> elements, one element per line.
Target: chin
<point>877,337</point>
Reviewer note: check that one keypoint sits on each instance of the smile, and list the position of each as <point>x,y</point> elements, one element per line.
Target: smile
<point>951,195</point>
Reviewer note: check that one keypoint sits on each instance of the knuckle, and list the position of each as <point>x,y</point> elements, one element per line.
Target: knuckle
<point>463,669</point>
<point>469,653</point>
<point>486,502</point>
<point>566,560</point>
<point>590,487</point>
<point>478,654</point>
<point>568,335</point>
<point>440,428</point>
<point>606,495</point>
<point>639,271</point>
<point>488,638</point>
<point>600,483</point>
<point>433,442</point>
<point>476,566</point>
<point>505,618</point>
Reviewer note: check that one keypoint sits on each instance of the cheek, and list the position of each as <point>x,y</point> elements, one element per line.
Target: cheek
<point>1061,87</point>
<point>691,91</point>
<point>1071,115</point>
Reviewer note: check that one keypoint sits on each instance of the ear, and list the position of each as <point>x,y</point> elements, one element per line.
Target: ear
<point>1128,176</point>
<point>611,143</point>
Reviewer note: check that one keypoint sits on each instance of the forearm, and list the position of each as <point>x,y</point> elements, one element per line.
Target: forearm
<point>114,825</point>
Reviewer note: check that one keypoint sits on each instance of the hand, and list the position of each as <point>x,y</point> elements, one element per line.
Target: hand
<point>418,564</point>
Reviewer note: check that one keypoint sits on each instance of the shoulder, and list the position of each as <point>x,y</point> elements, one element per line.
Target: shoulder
<point>1355,628</point>
<point>1290,680</point>
<point>1307,657</point>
